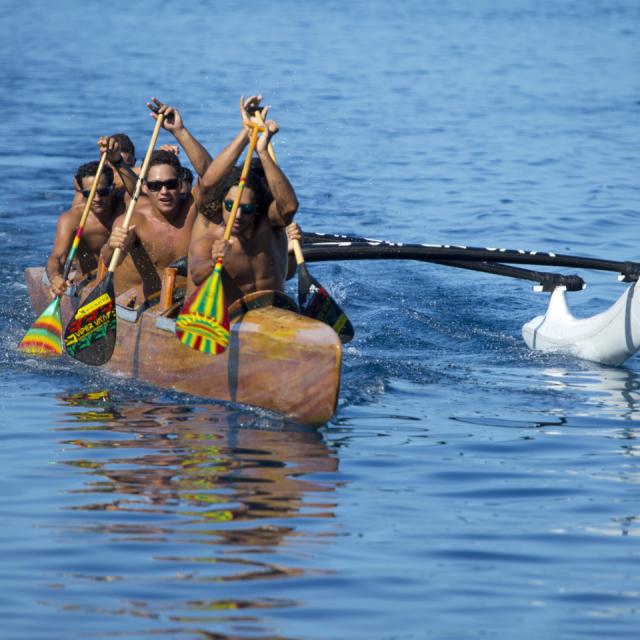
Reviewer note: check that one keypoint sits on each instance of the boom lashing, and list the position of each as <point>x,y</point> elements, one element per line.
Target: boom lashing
<point>630,272</point>
<point>550,281</point>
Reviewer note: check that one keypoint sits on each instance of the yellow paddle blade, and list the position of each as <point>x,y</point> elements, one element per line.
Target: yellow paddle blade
<point>203,323</point>
<point>44,339</point>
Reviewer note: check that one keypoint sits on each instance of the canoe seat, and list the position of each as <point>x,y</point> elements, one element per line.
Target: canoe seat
<point>131,303</point>
<point>259,299</point>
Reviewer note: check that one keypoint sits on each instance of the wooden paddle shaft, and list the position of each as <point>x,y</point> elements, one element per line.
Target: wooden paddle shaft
<point>83,218</point>
<point>243,177</point>
<point>136,194</point>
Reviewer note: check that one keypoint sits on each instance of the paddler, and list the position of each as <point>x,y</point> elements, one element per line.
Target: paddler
<point>107,205</point>
<point>161,224</point>
<point>255,257</point>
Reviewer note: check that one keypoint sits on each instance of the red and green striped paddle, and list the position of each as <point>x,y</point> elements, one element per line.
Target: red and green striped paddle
<point>90,337</point>
<point>44,338</point>
<point>203,322</point>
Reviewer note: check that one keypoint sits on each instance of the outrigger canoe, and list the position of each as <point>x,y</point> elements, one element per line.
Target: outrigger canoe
<point>277,359</point>
<point>290,364</point>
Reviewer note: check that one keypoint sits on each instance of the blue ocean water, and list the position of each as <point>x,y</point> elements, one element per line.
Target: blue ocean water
<point>467,488</point>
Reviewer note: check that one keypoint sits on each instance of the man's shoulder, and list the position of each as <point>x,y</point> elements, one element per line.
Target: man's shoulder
<point>204,228</point>
<point>71,215</point>
<point>142,211</point>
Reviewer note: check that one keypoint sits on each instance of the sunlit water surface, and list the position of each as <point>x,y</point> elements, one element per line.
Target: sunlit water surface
<point>466,488</point>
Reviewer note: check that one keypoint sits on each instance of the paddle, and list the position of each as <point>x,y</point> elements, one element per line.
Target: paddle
<point>203,322</point>
<point>44,338</point>
<point>91,335</point>
<point>314,300</point>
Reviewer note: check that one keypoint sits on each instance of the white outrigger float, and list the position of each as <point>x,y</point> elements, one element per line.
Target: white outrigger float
<point>609,337</point>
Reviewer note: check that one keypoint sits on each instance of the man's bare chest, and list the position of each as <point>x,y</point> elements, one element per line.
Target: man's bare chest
<point>165,241</point>
<point>95,235</point>
<point>254,260</point>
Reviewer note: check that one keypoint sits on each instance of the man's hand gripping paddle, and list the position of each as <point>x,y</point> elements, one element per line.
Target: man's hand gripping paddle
<point>44,338</point>
<point>203,323</point>
<point>91,335</point>
<point>314,300</point>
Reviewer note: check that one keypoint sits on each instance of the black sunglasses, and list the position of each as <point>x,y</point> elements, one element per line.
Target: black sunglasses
<point>103,192</point>
<point>156,185</point>
<point>247,209</point>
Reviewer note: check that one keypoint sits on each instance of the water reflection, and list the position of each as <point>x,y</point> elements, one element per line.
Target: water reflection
<point>213,503</point>
<point>614,389</point>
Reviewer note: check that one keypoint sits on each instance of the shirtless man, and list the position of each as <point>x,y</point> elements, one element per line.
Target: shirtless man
<point>255,257</point>
<point>161,224</point>
<point>107,205</point>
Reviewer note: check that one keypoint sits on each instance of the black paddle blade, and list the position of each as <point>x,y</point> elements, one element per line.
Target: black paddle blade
<point>315,302</point>
<point>91,336</point>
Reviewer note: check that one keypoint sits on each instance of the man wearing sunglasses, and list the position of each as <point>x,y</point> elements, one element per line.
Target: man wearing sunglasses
<point>107,205</point>
<point>161,224</point>
<point>255,257</point>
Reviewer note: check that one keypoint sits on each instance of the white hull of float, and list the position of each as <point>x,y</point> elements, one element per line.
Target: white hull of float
<point>610,337</point>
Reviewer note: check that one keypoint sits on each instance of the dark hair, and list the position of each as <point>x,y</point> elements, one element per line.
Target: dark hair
<point>126,146</point>
<point>90,169</point>
<point>212,205</point>
<point>257,169</point>
<point>186,174</point>
<point>166,157</point>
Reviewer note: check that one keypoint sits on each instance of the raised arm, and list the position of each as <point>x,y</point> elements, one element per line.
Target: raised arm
<point>285,202</point>
<point>224,161</point>
<point>111,147</point>
<point>227,158</point>
<point>198,156</point>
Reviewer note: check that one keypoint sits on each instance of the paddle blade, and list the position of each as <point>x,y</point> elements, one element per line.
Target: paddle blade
<point>90,337</point>
<point>44,339</point>
<point>315,302</point>
<point>203,323</point>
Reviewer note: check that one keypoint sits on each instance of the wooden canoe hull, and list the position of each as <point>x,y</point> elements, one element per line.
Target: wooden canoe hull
<point>276,359</point>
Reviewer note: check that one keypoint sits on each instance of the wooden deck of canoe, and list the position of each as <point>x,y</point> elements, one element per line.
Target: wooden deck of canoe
<point>276,360</point>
